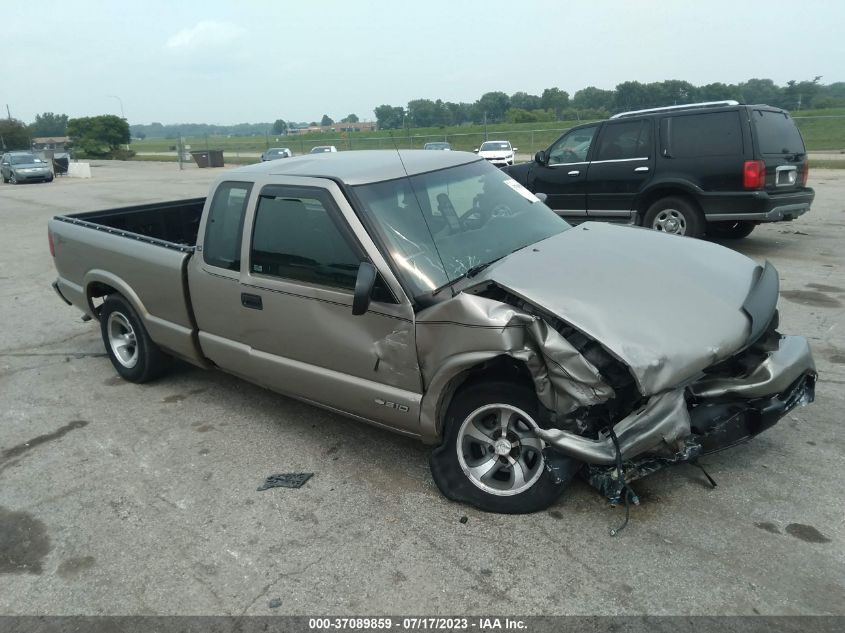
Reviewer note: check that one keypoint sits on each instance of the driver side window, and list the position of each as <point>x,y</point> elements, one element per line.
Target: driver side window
<point>573,147</point>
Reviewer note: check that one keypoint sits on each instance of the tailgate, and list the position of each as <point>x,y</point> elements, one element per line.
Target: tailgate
<point>780,146</point>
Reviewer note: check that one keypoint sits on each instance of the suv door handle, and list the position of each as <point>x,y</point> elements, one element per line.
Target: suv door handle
<point>641,169</point>
<point>574,172</point>
<point>251,301</point>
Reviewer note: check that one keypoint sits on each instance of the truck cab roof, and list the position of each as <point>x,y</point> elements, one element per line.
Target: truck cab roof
<point>359,167</point>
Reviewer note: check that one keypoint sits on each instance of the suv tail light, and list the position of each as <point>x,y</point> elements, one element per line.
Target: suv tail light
<point>52,246</point>
<point>805,173</point>
<point>754,174</point>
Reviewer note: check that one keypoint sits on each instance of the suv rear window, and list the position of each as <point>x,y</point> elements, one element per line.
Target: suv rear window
<point>776,133</point>
<point>693,136</point>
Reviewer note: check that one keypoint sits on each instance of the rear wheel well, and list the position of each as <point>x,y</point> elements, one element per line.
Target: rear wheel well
<point>96,293</point>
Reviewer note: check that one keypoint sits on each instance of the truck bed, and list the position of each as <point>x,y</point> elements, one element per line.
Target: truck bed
<point>175,222</point>
<point>140,252</point>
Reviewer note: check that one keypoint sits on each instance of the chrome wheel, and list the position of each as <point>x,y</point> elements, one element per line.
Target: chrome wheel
<point>122,340</point>
<point>670,221</point>
<point>498,450</point>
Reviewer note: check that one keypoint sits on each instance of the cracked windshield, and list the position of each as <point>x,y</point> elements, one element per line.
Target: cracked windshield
<point>440,226</point>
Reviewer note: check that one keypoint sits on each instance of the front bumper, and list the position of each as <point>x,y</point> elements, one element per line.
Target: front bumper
<point>709,415</point>
<point>31,176</point>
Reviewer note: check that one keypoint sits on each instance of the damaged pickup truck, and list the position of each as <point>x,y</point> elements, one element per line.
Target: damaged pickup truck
<point>431,294</point>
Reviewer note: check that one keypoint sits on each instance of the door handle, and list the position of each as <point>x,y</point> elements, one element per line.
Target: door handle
<point>251,301</point>
<point>641,169</point>
<point>574,172</point>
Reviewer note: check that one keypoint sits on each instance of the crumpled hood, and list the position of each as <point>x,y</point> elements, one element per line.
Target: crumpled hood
<point>666,306</point>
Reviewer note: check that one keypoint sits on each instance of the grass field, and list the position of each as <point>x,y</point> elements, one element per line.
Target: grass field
<point>822,130</point>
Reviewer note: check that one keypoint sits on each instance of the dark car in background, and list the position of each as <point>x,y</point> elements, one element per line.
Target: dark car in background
<point>719,168</point>
<point>17,167</point>
<point>274,153</point>
<point>438,145</point>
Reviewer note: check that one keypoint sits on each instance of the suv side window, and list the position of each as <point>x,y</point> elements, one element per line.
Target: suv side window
<point>295,237</point>
<point>224,228</point>
<point>572,147</point>
<point>694,136</point>
<point>620,141</point>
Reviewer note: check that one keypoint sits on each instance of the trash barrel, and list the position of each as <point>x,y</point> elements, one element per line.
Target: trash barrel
<point>201,158</point>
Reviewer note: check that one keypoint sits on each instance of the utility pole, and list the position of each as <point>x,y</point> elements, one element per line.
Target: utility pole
<point>8,114</point>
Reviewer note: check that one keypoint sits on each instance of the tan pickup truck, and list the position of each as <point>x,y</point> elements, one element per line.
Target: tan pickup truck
<point>431,294</point>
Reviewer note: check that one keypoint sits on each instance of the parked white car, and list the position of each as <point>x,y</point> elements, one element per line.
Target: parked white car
<point>500,153</point>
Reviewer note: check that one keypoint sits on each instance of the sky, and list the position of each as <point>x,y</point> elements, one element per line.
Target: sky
<point>227,62</point>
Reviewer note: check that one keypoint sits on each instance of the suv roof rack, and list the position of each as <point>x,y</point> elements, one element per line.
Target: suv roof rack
<point>686,106</point>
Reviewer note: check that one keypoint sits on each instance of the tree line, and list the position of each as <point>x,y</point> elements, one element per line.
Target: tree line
<point>554,104</point>
<point>104,134</point>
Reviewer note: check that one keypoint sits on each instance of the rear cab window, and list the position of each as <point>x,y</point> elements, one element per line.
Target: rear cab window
<point>224,226</point>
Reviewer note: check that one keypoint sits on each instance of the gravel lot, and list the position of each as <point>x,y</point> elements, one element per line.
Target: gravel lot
<point>141,499</point>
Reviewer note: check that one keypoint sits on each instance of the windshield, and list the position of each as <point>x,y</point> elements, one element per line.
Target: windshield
<point>439,225</point>
<point>23,159</point>
<point>495,146</point>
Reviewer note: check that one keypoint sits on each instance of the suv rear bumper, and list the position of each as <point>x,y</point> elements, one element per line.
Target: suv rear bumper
<point>756,206</point>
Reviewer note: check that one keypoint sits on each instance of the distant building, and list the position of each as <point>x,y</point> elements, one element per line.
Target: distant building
<point>360,126</point>
<point>50,142</point>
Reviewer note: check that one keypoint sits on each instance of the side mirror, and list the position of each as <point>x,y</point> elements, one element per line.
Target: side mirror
<point>515,149</point>
<point>540,157</point>
<point>541,196</point>
<point>363,288</point>
<point>475,150</point>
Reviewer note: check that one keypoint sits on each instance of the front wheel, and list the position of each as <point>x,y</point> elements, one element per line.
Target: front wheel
<point>490,456</point>
<point>131,350</point>
<point>730,230</point>
<point>674,215</point>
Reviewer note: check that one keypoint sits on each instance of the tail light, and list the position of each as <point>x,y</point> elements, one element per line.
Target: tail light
<point>52,246</point>
<point>805,173</point>
<point>754,174</point>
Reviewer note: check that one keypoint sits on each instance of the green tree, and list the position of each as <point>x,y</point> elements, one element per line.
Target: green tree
<point>556,100</point>
<point>280,127</point>
<point>494,105</point>
<point>98,135</point>
<point>525,101</point>
<point>390,117</point>
<point>14,135</point>
<point>717,92</point>
<point>49,124</point>
<point>326,120</point>
<point>592,98</point>
<point>761,91</point>
<point>350,118</point>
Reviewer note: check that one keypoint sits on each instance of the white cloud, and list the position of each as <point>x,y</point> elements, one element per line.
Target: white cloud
<point>204,35</point>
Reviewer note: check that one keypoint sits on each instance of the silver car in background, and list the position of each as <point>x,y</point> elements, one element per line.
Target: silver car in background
<point>17,167</point>
<point>274,153</point>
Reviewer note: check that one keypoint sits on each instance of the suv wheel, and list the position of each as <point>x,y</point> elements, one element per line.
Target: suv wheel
<point>730,230</point>
<point>674,215</point>
<point>490,456</point>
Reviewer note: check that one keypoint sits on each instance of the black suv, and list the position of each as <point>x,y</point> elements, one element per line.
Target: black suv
<point>718,168</point>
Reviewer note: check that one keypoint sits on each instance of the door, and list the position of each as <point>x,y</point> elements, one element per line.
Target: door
<point>621,166</point>
<point>564,176</point>
<point>298,330</point>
